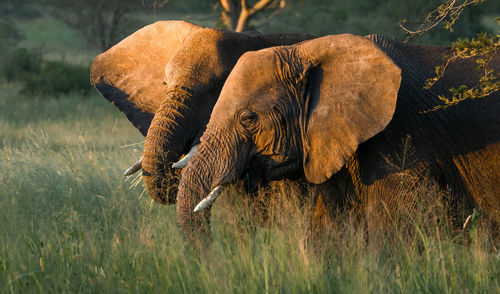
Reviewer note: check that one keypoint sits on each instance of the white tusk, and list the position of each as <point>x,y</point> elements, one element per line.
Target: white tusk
<point>184,161</point>
<point>466,221</point>
<point>134,168</point>
<point>209,199</point>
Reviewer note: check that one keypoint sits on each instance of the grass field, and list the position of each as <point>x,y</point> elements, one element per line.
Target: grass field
<point>70,222</point>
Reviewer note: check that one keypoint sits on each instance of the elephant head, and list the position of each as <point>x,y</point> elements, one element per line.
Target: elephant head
<point>304,107</point>
<point>166,78</point>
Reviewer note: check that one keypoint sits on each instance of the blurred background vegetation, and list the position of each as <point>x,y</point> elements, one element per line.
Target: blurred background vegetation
<point>48,45</point>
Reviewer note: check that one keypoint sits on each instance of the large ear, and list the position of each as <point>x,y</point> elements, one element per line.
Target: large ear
<point>131,74</point>
<point>350,96</point>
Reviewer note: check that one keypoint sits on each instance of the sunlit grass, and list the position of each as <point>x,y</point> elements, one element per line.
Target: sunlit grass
<point>71,223</point>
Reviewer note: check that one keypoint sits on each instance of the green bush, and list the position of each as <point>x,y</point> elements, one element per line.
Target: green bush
<point>9,34</point>
<point>24,9</point>
<point>56,78</point>
<point>21,63</point>
<point>40,77</point>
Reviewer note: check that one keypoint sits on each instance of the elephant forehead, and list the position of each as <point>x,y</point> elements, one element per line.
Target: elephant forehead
<point>251,81</point>
<point>198,58</point>
<point>256,65</point>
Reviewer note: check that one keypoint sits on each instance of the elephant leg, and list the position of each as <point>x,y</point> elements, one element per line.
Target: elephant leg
<point>480,173</point>
<point>332,200</point>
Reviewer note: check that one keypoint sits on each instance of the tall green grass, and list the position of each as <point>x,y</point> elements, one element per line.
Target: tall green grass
<point>70,223</point>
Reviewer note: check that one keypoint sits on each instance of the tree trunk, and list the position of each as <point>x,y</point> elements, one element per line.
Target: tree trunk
<point>236,14</point>
<point>242,20</point>
<point>229,13</point>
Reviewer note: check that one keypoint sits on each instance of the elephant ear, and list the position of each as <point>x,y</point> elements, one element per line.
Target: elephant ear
<point>131,74</point>
<point>350,96</point>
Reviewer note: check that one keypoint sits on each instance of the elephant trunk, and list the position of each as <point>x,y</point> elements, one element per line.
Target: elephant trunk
<point>217,162</point>
<point>168,138</point>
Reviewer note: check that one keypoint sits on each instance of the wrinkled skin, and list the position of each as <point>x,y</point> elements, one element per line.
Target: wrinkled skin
<point>336,109</point>
<point>166,78</point>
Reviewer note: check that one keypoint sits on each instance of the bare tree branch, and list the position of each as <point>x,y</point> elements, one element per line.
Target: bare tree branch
<point>225,5</point>
<point>259,6</point>
<point>236,14</point>
<point>272,15</point>
<point>449,12</point>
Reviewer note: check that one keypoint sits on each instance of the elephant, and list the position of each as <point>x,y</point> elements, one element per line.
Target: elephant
<point>335,109</point>
<point>166,78</point>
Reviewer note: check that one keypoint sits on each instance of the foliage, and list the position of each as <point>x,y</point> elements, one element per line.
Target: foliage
<point>10,36</point>
<point>25,9</point>
<point>322,17</point>
<point>101,22</point>
<point>449,12</point>
<point>40,77</point>
<point>20,62</point>
<point>483,48</point>
<point>56,78</point>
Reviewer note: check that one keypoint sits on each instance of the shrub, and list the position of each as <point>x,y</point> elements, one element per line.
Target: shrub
<point>57,77</point>
<point>41,77</point>
<point>24,9</point>
<point>20,63</point>
<point>9,34</point>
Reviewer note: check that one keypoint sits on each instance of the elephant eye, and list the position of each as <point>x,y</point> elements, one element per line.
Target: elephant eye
<point>248,118</point>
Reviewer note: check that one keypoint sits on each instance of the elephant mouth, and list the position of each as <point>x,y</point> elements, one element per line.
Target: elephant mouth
<point>262,169</point>
<point>288,169</point>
